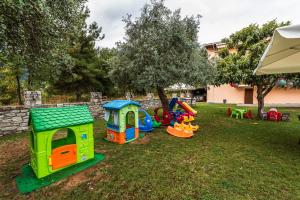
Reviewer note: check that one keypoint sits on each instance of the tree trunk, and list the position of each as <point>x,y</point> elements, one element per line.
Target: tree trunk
<point>260,102</point>
<point>29,79</point>
<point>262,92</point>
<point>78,96</point>
<point>192,96</point>
<point>29,82</point>
<point>163,97</point>
<point>20,102</point>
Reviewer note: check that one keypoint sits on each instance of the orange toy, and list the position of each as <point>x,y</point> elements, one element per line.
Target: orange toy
<point>63,156</point>
<point>183,130</point>
<point>178,132</point>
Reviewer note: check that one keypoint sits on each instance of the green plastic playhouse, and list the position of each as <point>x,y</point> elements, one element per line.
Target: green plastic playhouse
<point>49,155</point>
<point>118,114</point>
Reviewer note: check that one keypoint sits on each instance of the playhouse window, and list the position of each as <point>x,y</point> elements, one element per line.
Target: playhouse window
<point>113,118</point>
<point>63,137</point>
<point>106,115</point>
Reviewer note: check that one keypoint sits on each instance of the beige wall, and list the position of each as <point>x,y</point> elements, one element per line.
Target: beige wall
<point>212,53</point>
<point>217,94</point>
<point>236,95</point>
<point>281,95</point>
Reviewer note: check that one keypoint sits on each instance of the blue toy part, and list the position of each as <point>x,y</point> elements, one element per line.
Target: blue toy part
<point>119,104</point>
<point>172,122</point>
<point>130,133</point>
<point>172,104</point>
<point>84,136</point>
<point>147,126</point>
<point>177,113</point>
<point>175,116</point>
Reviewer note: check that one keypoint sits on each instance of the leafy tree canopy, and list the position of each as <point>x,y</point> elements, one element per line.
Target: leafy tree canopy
<point>7,86</point>
<point>238,67</point>
<point>160,49</point>
<point>85,74</point>
<point>35,34</point>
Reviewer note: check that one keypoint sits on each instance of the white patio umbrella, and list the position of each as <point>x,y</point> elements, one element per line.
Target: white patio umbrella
<point>283,53</point>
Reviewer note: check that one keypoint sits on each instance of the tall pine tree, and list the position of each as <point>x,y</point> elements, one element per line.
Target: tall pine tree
<point>84,74</point>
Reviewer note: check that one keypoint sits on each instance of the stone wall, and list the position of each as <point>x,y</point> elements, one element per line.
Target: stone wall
<point>149,103</point>
<point>14,119</point>
<point>96,109</point>
<point>32,98</point>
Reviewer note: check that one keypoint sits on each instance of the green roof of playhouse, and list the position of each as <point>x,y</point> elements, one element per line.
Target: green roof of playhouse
<point>119,104</point>
<point>44,119</point>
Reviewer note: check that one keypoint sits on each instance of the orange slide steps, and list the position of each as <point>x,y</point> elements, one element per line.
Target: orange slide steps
<point>178,132</point>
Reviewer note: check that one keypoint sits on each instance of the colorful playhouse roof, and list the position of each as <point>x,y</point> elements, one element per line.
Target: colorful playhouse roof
<point>44,119</point>
<point>119,104</point>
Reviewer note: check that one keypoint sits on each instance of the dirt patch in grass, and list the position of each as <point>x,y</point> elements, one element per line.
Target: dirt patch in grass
<point>103,151</point>
<point>14,154</point>
<point>12,150</point>
<point>88,176</point>
<point>144,140</point>
<point>77,179</point>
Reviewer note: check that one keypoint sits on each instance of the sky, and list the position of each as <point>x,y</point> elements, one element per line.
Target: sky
<point>220,17</point>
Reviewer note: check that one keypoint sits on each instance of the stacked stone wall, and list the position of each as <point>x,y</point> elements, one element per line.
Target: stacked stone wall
<point>15,119</point>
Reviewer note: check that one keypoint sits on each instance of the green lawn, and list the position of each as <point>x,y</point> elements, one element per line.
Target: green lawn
<point>226,159</point>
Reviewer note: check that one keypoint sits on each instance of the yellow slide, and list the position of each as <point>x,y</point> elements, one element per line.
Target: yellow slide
<point>190,108</point>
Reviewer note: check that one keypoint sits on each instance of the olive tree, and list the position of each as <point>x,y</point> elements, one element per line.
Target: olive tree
<point>160,49</point>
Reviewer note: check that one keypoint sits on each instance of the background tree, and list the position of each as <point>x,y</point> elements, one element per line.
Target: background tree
<point>10,76</point>
<point>120,73</point>
<point>160,49</point>
<point>7,86</point>
<point>34,37</point>
<point>249,43</point>
<point>104,62</point>
<point>85,74</point>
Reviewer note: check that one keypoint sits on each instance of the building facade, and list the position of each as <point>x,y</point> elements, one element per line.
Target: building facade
<point>244,94</point>
<point>248,95</point>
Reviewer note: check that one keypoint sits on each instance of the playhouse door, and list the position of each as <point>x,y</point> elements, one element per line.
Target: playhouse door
<point>130,133</point>
<point>64,156</point>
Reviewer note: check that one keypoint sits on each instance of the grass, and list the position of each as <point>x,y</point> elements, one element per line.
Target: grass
<point>226,159</point>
